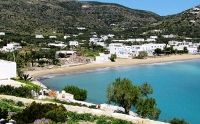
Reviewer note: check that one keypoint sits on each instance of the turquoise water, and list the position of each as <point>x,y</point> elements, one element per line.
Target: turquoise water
<point>176,85</point>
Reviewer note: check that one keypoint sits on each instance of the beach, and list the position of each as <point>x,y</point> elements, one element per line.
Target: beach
<point>118,62</point>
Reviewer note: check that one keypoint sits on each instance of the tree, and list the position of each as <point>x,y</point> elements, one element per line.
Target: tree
<point>142,54</point>
<point>147,108</point>
<point>178,121</point>
<point>158,51</point>
<point>198,48</point>
<point>146,89</point>
<point>79,94</point>
<point>185,50</point>
<point>93,45</point>
<point>25,77</point>
<point>123,93</point>
<point>113,57</point>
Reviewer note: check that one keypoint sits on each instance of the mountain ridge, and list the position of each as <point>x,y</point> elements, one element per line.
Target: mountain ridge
<point>63,16</point>
<point>49,13</point>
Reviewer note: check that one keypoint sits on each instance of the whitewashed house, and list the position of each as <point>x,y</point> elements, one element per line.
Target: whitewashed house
<point>65,37</point>
<point>150,40</point>
<point>111,35</point>
<point>118,40</point>
<point>182,44</point>
<point>139,39</point>
<point>75,35</point>
<point>169,36</point>
<point>73,43</point>
<point>196,9</point>
<point>68,53</point>
<point>39,36</point>
<point>104,38</point>
<point>94,39</point>
<point>102,58</point>
<point>61,45</point>
<point>8,70</point>
<point>153,37</point>
<point>149,48</point>
<point>2,33</point>
<point>192,48</point>
<point>173,43</point>
<point>101,44</point>
<point>81,28</point>
<point>196,45</point>
<point>11,47</point>
<point>130,40</point>
<point>52,37</point>
<point>120,50</point>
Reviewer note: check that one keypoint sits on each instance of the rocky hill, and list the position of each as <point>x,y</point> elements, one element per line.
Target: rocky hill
<point>62,16</point>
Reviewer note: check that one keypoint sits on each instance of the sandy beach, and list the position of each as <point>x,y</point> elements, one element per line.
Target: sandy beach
<point>119,62</point>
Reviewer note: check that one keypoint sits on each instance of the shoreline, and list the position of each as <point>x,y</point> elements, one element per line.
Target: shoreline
<point>119,62</point>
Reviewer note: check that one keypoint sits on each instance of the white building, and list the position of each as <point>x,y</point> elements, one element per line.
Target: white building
<point>81,28</point>
<point>104,38</point>
<point>61,45</point>
<point>150,40</point>
<point>52,37</point>
<point>111,35</point>
<point>68,53</point>
<point>94,39</point>
<point>120,50</point>
<point>73,43</point>
<point>102,58</point>
<point>119,40</point>
<point>65,37</point>
<point>131,40</point>
<point>169,36</point>
<point>39,36</point>
<point>11,47</point>
<point>139,39</point>
<point>149,48</point>
<point>2,33</point>
<point>8,69</point>
<point>178,43</point>
<point>75,35</point>
<point>153,37</point>
<point>196,9</point>
<point>192,48</point>
<point>101,44</point>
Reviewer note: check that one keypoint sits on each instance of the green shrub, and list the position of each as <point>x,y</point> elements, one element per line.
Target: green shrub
<point>22,91</point>
<point>178,121</point>
<point>20,104</point>
<point>37,111</point>
<point>57,115</point>
<point>3,113</point>
<point>10,105</point>
<point>79,94</point>
<point>113,57</point>
<point>29,84</point>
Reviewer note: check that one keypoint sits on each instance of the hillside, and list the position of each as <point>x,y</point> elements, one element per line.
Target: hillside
<point>184,24</point>
<point>62,16</point>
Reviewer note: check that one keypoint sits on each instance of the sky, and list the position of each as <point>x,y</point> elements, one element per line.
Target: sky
<point>160,7</point>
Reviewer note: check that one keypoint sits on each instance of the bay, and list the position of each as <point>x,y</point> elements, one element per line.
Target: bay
<point>176,85</point>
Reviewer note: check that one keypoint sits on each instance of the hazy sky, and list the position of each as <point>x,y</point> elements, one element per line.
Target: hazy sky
<point>161,7</point>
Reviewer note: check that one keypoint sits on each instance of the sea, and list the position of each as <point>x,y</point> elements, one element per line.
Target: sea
<point>176,85</point>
